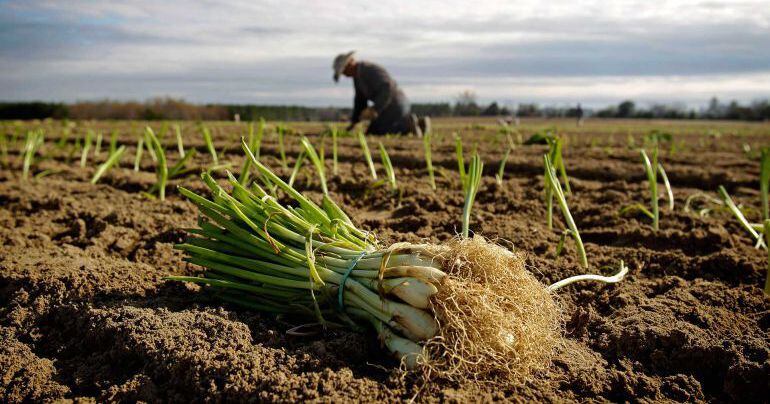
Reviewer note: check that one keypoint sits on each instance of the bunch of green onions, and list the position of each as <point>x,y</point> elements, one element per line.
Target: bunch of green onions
<point>312,261</point>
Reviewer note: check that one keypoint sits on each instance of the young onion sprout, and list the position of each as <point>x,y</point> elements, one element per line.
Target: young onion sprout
<point>555,146</point>
<point>555,156</point>
<point>149,147</point>
<point>460,160</point>
<point>297,166</point>
<point>86,148</point>
<point>317,162</point>
<point>179,168</point>
<point>367,154</point>
<point>138,157</point>
<point>764,181</point>
<point>766,228</point>
<point>651,169</point>
<point>322,149</point>
<point>210,144</point>
<point>555,186</point>
<point>279,130</point>
<point>428,159</point>
<point>113,141</point>
<point>162,132</point>
<point>98,145</point>
<point>179,142</point>
<point>65,135</point>
<point>31,145</point>
<point>4,148</point>
<point>255,143</point>
<point>749,227</point>
<point>112,160</point>
<point>162,168</point>
<point>667,184</point>
<point>333,130</point>
<point>501,169</point>
<point>388,167</point>
<point>471,187</point>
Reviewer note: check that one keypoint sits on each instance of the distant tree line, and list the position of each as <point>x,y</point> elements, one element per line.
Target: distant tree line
<point>33,110</point>
<point>758,110</point>
<point>465,105</point>
<point>165,108</point>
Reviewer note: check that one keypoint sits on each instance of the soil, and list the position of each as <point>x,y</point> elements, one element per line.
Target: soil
<point>85,314</point>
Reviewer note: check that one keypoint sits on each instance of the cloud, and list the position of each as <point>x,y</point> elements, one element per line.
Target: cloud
<point>280,51</point>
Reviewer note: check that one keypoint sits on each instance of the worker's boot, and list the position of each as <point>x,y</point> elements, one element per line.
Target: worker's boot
<point>425,125</point>
<point>414,125</point>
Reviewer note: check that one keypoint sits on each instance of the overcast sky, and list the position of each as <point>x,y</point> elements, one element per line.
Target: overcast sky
<point>277,52</point>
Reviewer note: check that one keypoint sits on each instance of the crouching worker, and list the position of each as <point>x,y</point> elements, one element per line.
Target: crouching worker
<point>391,110</point>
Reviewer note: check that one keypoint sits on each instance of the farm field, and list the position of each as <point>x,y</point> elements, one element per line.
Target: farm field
<point>85,313</point>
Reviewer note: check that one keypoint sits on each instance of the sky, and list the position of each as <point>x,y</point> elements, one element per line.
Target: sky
<point>280,52</point>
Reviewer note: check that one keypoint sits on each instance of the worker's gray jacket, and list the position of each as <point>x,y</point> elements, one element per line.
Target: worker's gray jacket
<point>374,84</point>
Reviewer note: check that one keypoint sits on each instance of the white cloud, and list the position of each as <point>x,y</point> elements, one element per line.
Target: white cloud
<point>281,51</point>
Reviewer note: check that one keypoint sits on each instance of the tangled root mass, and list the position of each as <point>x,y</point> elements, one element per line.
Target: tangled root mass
<point>497,322</point>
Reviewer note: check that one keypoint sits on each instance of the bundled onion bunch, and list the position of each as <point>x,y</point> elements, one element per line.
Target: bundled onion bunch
<point>467,309</point>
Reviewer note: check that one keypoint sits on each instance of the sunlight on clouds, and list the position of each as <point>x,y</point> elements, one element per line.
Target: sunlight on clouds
<point>280,51</point>
<point>597,91</point>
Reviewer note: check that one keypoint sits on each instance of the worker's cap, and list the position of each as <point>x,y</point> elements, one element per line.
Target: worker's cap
<point>340,62</point>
